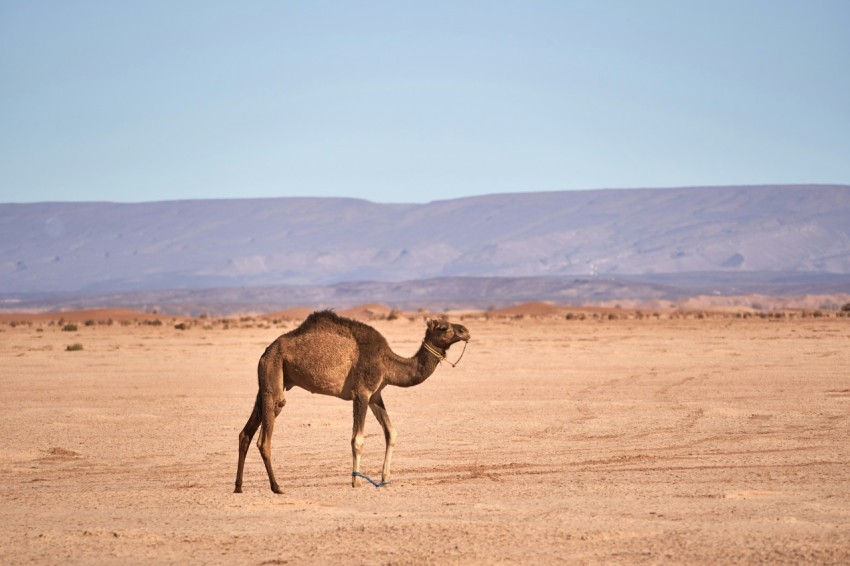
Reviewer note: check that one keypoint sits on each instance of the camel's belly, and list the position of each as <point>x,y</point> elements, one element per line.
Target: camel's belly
<point>320,363</point>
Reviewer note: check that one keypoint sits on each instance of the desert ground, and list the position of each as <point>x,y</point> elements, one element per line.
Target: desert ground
<point>557,439</point>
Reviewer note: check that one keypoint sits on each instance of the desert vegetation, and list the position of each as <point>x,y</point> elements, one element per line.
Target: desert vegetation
<point>530,311</point>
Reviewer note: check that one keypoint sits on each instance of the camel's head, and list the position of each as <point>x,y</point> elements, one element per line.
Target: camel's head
<point>442,333</point>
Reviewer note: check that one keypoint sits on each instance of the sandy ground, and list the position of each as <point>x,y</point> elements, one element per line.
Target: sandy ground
<point>642,441</point>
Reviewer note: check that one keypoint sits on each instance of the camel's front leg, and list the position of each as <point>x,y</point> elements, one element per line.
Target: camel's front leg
<point>380,411</point>
<point>360,404</point>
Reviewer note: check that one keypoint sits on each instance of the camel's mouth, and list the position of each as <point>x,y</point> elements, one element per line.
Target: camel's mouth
<point>462,334</point>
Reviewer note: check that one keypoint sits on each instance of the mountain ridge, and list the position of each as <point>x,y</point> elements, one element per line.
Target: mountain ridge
<point>298,241</point>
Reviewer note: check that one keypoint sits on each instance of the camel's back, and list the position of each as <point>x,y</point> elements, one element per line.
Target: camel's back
<point>320,354</point>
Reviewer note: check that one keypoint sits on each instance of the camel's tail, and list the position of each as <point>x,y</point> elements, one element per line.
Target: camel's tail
<point>256,412</point>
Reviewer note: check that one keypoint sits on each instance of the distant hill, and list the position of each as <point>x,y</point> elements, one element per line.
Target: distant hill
<point>99,248</point>
<point>692,290</point>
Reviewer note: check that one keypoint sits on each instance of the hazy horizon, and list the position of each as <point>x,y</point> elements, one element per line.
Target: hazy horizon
<point>470,196</point>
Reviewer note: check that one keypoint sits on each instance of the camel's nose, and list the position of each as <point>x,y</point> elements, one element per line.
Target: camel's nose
<point>462,332</point>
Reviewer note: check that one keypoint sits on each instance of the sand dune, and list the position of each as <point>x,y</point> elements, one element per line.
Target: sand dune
<point>370,311</point>
<point>295,313</point>
<point>529,309</point>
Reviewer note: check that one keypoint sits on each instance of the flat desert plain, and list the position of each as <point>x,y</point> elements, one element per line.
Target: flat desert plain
<point>695,441</point>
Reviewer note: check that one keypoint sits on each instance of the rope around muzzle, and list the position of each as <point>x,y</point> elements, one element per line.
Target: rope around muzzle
<point>441,357</point>
<point>370,480</point>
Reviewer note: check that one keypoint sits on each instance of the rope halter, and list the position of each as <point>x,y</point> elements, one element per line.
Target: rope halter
<point>440,356</point>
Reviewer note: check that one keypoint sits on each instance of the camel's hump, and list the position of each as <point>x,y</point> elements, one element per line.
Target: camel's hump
<point>330,321</point>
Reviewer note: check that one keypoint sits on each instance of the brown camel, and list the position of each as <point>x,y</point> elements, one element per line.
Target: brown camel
<point>332,355</point>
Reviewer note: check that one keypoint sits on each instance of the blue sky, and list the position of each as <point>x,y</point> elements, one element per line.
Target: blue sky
<point>417,101</point>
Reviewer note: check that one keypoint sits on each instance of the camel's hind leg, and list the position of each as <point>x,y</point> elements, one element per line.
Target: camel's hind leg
<point>271,405</point>
<point>245,441</point>
<point>380,411</point>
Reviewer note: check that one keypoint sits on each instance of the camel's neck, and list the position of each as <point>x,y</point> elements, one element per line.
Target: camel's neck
<point>407,372</point>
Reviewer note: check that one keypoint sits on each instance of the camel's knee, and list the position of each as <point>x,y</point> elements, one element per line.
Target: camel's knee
<point>265,451</point>
<point>392,435</point>
<point>264,445</point>
<point>357,444</point>
<point>278,406</point>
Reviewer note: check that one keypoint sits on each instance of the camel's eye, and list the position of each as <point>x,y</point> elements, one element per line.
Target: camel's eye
<point>442,327</point>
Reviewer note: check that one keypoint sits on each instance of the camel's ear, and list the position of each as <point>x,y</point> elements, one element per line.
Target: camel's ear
<point>430,322</point>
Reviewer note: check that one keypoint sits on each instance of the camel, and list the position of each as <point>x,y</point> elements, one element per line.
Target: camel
<point>332,355</point>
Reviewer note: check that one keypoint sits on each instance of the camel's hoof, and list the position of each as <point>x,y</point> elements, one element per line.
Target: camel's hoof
<point>237,490</point>
<point>277,490</point>
<point>356,482</point>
